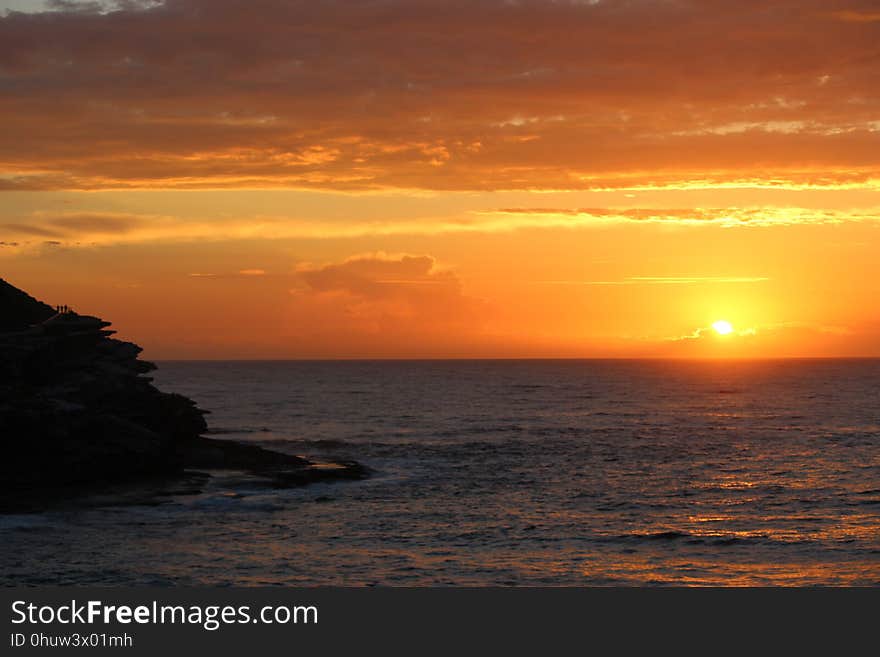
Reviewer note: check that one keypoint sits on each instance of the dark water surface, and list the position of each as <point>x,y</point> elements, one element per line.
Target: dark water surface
<point>507,472</point>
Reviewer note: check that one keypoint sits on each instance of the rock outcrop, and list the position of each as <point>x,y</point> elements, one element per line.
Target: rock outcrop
<point>76,409</point>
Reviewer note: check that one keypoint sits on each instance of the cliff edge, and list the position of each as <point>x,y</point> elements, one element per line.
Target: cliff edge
<point>76,410</point>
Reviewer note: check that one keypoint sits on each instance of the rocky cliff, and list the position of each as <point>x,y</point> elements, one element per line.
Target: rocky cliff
<point>76,409</point>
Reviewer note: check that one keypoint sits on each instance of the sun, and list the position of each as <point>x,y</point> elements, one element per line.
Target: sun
<point>723,327</point>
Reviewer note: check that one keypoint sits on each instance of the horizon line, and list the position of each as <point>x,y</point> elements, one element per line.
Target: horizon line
<point>512,358</point>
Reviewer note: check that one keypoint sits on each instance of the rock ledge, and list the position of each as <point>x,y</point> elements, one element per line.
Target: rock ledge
<point>77,411</point>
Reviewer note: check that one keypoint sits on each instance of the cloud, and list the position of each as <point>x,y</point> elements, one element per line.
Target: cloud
<point>708,333</point>
<point>109,224</point>
<point>76,7</point>
<point>74,227</point>
<point>27,230</point>
<point>772,340</point>
<point>389,295</point>
<point>380,276</point>
<point>440,94</point>
<point>88,229</point>
<point>724,217</point>
<point>247,273</point>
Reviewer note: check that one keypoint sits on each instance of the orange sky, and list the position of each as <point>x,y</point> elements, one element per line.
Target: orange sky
<point>448,179</point>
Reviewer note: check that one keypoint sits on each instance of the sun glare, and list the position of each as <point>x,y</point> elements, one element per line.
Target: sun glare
<point>722,327</point>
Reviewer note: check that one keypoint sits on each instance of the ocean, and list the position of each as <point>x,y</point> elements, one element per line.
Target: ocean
<point>528,473</point>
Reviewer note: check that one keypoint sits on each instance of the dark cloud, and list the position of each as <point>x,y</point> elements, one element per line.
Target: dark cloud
<point>380,277</point>
<point>476,94</point>
<point>396,293</point>
<point>96,223</point>
<point>73,226</point>
<point>29,230</point>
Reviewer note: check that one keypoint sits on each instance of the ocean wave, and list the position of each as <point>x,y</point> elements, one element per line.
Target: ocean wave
<point>222,431</point>
<point>323,443</point>
<point>694,539</point>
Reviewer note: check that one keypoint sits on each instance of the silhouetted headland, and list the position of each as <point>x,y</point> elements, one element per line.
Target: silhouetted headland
<point>77,416</point>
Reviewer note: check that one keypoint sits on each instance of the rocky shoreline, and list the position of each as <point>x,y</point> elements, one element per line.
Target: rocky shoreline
<point>78,415</point>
